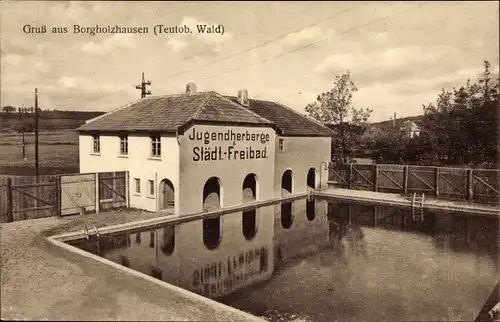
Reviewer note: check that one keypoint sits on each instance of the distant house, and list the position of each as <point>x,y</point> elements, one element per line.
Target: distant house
<point>408,124</point>
<point>411,128</point>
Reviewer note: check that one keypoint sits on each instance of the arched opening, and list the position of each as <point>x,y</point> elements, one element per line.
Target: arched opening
<point>249,217</point>
<point>286,183</point>
<point>211,201</point>
<point>211,194</point>
<point>286,208</point>
<point>168,241</point>
<point>311,178</point>
<point>311,203</point>
<point>166,195</point>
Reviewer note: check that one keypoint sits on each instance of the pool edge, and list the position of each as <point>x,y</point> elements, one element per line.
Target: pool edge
<point>183,292</point>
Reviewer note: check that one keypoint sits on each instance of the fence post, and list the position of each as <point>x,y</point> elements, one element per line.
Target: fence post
<point>10,215</point>
<point>470,187</point>
<point>127,189</point>
<point>405,179</point>
<point>375,179</point>
<point>436,182</point>
<point>58,195</point>
<point>97,201</point>
<point>349,181</point>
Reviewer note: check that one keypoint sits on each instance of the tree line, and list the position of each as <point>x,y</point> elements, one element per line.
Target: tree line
<point>460,128</point>
<point>11,111</point>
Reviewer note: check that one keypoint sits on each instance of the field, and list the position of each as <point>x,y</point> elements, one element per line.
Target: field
<point>58,153</point>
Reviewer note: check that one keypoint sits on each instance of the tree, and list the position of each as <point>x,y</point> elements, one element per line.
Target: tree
<point>9,109</point>
<point>464,123</point>
<point>389,145</point>
<point>335,108</point>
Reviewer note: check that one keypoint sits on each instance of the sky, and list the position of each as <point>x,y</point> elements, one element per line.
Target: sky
<point>400,54</point>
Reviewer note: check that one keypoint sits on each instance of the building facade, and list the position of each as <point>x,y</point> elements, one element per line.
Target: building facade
<point>195,152</point>
<point>199,136</point>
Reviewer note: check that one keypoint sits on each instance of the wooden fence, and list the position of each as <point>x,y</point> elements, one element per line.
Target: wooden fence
<point>474,185</point>
<point>30,197</point>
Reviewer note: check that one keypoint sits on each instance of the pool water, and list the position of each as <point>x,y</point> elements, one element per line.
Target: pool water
<point>350,263</point>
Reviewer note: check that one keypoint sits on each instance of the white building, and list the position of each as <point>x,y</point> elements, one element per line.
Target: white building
<point>197,151</point>
<point>172,145</point>
<point>411,128</point>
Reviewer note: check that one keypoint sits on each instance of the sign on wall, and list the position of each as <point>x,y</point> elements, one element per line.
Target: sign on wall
<point>220,145</point>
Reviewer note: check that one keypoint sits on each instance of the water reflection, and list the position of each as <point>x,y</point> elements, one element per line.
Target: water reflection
<point>381,264</point>
<point>348,262</point>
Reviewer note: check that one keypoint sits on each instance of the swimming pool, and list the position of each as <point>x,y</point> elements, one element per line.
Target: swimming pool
<point>320,262</point>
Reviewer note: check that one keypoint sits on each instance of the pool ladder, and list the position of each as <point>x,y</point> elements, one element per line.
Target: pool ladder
<point>86,232</point>
<point>97,234</point>
<point>420,214</point>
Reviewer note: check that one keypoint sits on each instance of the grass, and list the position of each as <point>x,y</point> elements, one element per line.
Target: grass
<point>44,138</point>
<point>58,153</point>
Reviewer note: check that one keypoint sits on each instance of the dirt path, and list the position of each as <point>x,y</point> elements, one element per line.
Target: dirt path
<point>40,281</point>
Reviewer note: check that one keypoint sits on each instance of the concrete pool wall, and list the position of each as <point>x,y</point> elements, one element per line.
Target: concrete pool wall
<point>191,266</point>
<point>59,240</point>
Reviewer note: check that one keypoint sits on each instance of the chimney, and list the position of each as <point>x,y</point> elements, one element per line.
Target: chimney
<point>394,120</point>
<point>243,97</point>
<point>190,88</point>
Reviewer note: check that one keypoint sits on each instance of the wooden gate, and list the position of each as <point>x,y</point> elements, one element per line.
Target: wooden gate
<point>77,193</point>
<point>34,197</point>
<point>389,178</point>
<point>113,189</point>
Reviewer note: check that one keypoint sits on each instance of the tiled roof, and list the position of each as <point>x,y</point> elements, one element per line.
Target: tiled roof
<point>168,113</point>
<point>288,121</point>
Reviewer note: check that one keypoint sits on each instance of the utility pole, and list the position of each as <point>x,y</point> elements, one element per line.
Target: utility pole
<point>142,87</point>
<point>36,132</point>
<point>21,115</point>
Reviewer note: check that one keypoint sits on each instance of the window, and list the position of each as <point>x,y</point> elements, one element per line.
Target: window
<point>97,143</point>
<point>137,185</point>
<point>155,146</point>
<point>281,145</point>
<point>151,187</point>
<point>124,145</point>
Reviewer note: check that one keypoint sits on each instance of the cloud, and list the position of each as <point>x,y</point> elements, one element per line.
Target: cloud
<point>389,58</point>
<point>79,93</point>
<point>177,44</point>
<point>12,59</point>
<point>86,84</point>
<point>110,45</point>
<point>69,12</point>
<point>390,64</point>
<point>20,45</point>
<point>41,67</point>
<point>196,44</point>
<point>69,82</point>
<point>305,37</point>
